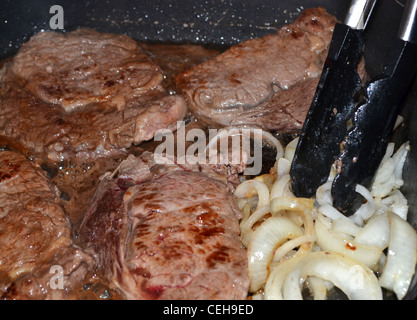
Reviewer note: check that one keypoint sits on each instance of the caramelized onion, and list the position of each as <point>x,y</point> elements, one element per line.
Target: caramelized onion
<point>309,241</point>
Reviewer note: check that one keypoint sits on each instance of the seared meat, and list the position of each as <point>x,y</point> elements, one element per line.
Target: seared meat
<point>174,59</point>
<point>268,81</point>
<point>84,94</point>
<point>167,232</point>
<point>35,235</point>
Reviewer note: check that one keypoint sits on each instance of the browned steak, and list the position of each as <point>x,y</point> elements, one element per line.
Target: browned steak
<point>174,58</point>
<point>84,94</point>
<point>35,235</point>
<point>268,81</point>
<point>167,232</point>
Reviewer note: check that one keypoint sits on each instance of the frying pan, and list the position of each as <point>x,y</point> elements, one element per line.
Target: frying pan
<point>217,24</point>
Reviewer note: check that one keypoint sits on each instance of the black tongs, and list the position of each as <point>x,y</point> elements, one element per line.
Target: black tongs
<point>350,124</point>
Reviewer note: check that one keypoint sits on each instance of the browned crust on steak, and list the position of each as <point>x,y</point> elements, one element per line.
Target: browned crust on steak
<point>167,232</point>
<point>243,85</point>
<point>84,94</point>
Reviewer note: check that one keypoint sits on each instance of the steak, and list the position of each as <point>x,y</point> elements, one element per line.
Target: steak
<point>167,231</point>
<point>174,59</point>
<point>35,235</point>
<point>269,81</point>
<point>84,94</point>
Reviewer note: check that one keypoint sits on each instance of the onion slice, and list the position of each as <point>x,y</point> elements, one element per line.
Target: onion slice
<point>302,206</point>
<point>249,189</point>
<point>281,187</point>
<point>329,240</point>
<point>262,245</point>
<point>318,288</point>
<point>401,259</point>
<point>290,149</point>
<point>376,232</point>
<point>357,281</point>
<point>367,209</point>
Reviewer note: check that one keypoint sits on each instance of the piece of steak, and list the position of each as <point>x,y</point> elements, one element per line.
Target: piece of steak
<point>35,235</point>
<point>268,81</point>
<point>174,58</point>
<point>84,94</point>
<point>167,231</point>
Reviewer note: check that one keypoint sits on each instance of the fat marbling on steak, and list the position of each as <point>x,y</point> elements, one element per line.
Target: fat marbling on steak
<point>167,231</point>
<point>84,94</point>
<point>35,235</point>
<point>269,81</point>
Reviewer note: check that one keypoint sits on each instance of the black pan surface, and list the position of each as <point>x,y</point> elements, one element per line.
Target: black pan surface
<point>217,24</point>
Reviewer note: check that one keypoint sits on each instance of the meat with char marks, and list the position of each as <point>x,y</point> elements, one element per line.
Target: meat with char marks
<point>167,232</point>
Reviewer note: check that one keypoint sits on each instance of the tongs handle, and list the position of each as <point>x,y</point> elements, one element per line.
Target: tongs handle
<point>359,13</point>
<point>340,99</point>
<point>333,103</point>
<point>408,27</point>
<point>376,115</point>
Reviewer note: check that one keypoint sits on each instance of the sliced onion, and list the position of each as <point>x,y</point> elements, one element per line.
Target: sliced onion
<point>398,122</point>
<point>302,206</point>
<point>251,188</point>
<point>389,152</point>
<point>262,245</point>
<point>357,281</point>
<point>318,288</point>
<point>290,149</point>
<point>389,174</point>
<point>324,195</point>
<point>399,204</point>
<point>401,260</point>
<point>345,226</point>
<point>258,296</point>
<point>367,209</point>
<point>283,167</point>
<point>290,245</point>
<point>385,171</point>
<point>329,240</point>
<point>281,187</point>
<point>376,232</point>
<point>399,158</point>
<point>268,179</point>
<point>246,237</point>
<point>331,212</point>
<point>275,281</point>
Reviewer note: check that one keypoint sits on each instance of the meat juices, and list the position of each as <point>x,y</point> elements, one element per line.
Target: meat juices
<point>269,81</point>
<point>167,232</point>
<point>84,94</point>
<point>35,234</point>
